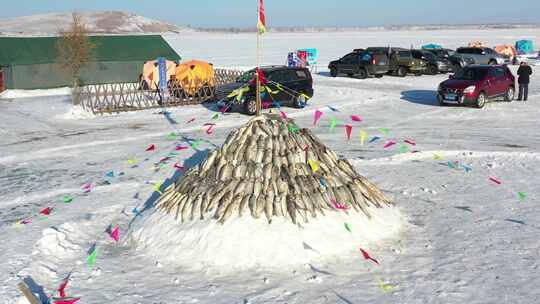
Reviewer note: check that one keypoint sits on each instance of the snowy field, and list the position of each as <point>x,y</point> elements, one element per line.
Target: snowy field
<point>467,238</point>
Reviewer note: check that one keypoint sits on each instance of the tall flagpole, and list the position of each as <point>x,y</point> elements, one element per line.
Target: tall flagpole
<point>258,82</point>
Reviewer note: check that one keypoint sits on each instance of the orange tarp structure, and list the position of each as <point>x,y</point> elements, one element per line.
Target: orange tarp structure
<point>508,50</point>
<point>151,72</point>
<point>476,44</point>
<point>194,74</point>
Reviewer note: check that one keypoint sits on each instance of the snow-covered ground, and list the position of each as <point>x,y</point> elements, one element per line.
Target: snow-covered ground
<point>468,239</point>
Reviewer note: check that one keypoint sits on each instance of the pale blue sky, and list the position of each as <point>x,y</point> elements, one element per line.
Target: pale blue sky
<point>241,13</point>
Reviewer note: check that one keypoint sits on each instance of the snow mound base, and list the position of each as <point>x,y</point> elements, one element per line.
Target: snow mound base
<point>247,242</point>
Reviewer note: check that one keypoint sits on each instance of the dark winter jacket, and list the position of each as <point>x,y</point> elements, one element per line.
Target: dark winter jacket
<point>524,72</point>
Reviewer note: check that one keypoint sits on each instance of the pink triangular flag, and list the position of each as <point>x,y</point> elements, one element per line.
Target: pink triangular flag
<point>180,148</point>
<point>390,143</point>
<point>495,180</point>
<point>356,118</point>
<point>115,234</point>
<point>283,114</point>
<point>348,129</point>
<point>316,116</point>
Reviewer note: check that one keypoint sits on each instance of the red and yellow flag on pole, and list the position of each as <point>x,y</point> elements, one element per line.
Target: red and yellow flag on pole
<point>261,25</point>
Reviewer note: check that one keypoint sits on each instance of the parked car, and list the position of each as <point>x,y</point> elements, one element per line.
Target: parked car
<point>401,61</point>
<point>441,53</point>
<point>435,65</point>
<point>360,63</point>
<point>482,55</point>
<point>476,84</point>
<point>291,84</point>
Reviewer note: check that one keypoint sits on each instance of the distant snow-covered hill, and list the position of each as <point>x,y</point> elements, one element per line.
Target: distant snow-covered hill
<point>106,22</point>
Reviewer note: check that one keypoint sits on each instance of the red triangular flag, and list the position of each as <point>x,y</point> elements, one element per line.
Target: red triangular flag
<point>368,257</point>
<point>46,211</point>
<point>151,148</point>
<point>115,234</point>
<point>283,114</point>
<point>177,166</point>
<point>410,142</point>
<point>67,301</point>
<point>191,120</point>
<point>348,129</point>
<point>262,78</point>
<point>180,148</point>
<point>62,287</point>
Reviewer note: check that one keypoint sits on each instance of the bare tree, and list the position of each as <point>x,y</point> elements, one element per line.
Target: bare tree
<point>75,50</point>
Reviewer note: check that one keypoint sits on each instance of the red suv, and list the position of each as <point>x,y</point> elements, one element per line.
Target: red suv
<point>476,84</point>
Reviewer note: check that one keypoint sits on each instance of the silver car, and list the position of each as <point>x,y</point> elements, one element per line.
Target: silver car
<point>481,55</point>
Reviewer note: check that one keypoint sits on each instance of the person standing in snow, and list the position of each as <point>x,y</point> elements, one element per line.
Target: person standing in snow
<point>524,73</point>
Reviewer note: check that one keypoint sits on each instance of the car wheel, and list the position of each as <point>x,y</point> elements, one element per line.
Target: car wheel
<point>379,75</point>
<point>300,101</point>
<point>362,74</point>
<point>333,72</point>
<point>433,70</point>
<point>250,106</point>
<point>402,72</point>
<point>509,96</point>
<point>492,62</point>
<point>481,100</point>
<point>440,99</point>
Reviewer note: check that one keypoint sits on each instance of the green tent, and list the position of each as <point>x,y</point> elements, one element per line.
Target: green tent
<point>33,63</point>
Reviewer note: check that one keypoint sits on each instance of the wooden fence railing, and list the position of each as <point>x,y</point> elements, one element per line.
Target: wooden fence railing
<point>122,97</point>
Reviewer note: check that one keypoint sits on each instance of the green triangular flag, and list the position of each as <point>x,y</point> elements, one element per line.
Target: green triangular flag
<point>67,199</point>
<point>333,123</point>
<point>216,116</point>
<point>403,148</point>
<point>171,136</point>
<point>196,144</point>
<point>293,128</point>
<point>521,196</point>
<point>91,260</point>
<point>348,227</point>
<point>384,130</point>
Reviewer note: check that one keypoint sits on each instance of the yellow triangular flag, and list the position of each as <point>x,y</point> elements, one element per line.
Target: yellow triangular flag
<point>314,166</point>
<point>363,137</point>
<point>385,287</point>
<point>157,187</point>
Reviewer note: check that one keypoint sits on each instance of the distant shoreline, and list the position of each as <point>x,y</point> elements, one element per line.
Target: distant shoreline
<point>389,28</point>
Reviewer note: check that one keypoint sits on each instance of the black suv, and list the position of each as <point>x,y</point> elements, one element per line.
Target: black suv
<point>435,64</point>
<point>457,62</point>
<point>292,86</point>
<point>401,61</point>
<point>360,63</point>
